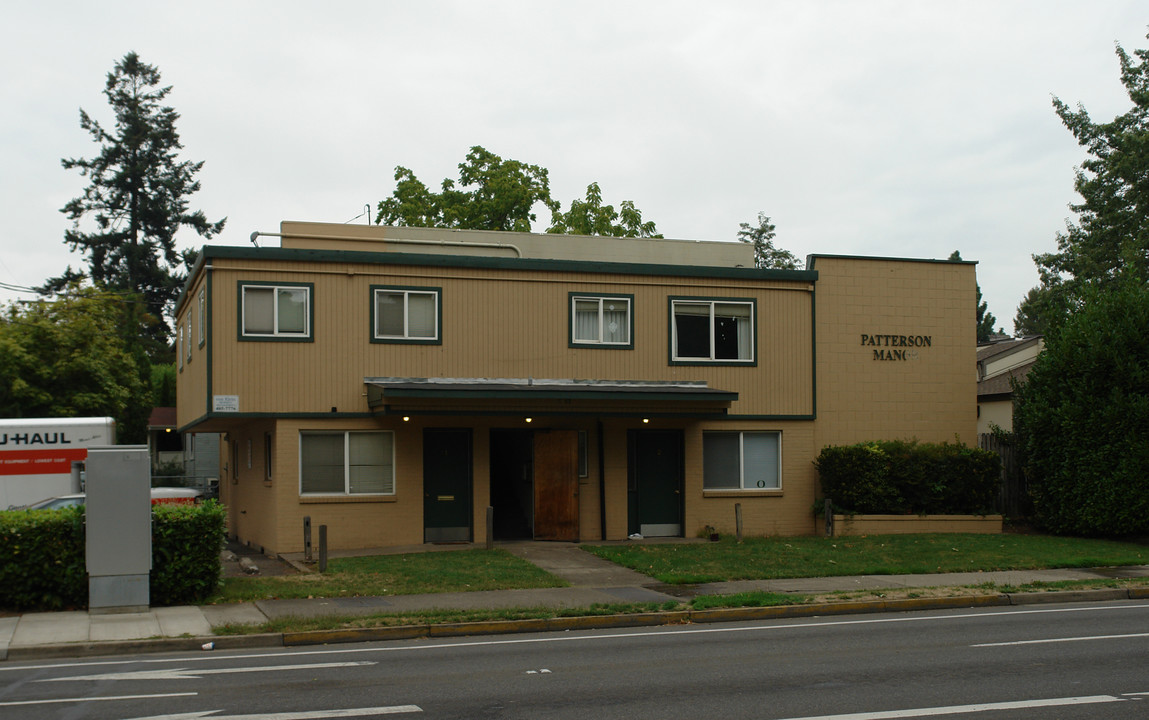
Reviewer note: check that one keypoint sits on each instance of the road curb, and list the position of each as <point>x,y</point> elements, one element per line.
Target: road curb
<point>588,622</point>
<point>1068,596</point>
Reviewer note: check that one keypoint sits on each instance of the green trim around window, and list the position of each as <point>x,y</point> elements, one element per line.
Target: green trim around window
<point>670,332</point>
<point>583,345</point>
<point>436,291</point>
<point>241,337</point>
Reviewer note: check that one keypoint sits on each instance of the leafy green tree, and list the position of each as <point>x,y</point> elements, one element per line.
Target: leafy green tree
<point>766,255</point>
<point>1082,414</point>
<point>137,197</point>
<point>1110,235</point>
<point>1040,309</point>
<point>76,357</point>
<point>985,318</point>
<point>591,217</point>
<point>491,194</point>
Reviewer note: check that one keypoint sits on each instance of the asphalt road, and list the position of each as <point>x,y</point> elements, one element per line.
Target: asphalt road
<point>1059,661</point>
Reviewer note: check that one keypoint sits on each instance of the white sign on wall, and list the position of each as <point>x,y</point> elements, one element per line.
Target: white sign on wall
<point>225,403</point>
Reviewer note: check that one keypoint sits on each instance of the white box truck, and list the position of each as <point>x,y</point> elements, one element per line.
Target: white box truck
<point>36,455</point>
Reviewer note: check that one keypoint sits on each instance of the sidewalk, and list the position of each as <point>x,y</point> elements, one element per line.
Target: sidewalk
<point>592,580</point>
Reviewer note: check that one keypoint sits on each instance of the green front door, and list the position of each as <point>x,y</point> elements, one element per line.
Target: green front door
<point>654,469</point>
<point>446,485</point>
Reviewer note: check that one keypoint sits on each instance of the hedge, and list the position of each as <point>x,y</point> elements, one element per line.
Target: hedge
<point>42,559</point>
<point>42,563</point>
<point>893,477</point>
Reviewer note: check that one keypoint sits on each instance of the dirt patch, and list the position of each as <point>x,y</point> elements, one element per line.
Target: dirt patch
<point>268,566</point>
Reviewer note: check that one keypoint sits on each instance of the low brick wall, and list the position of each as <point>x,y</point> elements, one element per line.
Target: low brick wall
<point>906,524</point>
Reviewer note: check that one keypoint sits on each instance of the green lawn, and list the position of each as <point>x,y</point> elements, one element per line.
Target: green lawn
<point>415,573</point>
<point>770,558</point>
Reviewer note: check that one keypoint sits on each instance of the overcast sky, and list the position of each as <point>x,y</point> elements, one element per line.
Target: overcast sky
<point>908,129</point>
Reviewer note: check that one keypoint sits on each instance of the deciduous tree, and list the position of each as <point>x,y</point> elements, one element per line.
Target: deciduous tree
<point>591,217</point>
<point>491,194</point>
<point>766,255</point>
<point>76,356</point>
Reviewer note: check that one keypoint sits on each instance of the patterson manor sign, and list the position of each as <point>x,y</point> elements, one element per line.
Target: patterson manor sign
<point>896,347</point>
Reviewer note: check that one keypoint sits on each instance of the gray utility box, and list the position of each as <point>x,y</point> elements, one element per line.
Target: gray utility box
<point>119,528</point>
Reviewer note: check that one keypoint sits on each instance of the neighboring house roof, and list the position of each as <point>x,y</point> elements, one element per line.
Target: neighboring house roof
<point>162,417</point>
<point>1001,385</point>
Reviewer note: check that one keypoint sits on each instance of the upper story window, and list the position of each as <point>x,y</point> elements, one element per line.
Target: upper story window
<point>601,320</point>
<point>202,315</point>
<point>712,331</point>
<point>275,312</point>
<point>405,315</point>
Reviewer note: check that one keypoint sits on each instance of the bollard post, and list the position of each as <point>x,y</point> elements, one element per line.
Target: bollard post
<point>307,538</point>
<point>828,508</point>
<point>738,522</point>
<point>322,548</point>
<point>490,527</point>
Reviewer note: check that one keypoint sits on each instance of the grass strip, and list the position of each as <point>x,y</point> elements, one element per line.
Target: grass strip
<point>794,557</point>
<point>407,574</point>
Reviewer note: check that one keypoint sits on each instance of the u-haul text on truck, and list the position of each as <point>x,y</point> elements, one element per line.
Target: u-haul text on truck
<point>36,455</point>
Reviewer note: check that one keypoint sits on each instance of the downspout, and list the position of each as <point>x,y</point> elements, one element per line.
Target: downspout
<point>601,485</point>
<point>398,241</point>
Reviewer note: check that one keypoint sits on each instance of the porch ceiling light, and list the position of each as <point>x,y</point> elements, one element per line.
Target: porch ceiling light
<point>526,419</point>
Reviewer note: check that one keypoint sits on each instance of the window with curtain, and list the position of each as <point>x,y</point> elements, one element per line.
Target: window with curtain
<point>600,320</point>
<point>275,312</point>
<point>347,463</point>
<point>406,315</point>
<point>741,460</point>
<point>712,331</point>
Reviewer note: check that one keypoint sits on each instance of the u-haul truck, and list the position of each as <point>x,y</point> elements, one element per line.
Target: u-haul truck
<point>36,455</point>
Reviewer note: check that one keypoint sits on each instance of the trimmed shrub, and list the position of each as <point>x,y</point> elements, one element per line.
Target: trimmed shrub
<point>893,477</point>
<point>1083,415</point>
<point>42,559</point>
<point>186,540</point>
<point>43,564</point>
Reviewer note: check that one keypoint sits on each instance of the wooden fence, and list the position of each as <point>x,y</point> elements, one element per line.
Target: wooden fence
<point>1014,498</point>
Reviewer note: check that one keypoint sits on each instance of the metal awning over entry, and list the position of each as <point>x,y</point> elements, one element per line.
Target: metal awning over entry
<point>500,396</point>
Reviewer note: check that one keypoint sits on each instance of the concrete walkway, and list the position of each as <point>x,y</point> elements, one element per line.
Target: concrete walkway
<point>592,580</point>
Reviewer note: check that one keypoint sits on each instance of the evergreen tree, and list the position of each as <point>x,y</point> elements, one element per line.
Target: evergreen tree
<point>1111,233</point>
<point>985,318</point>
<point>136,197</point>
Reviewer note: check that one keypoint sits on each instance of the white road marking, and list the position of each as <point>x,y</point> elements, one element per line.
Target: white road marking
<point>974,708</point>
<point>666,632</point>
<point>304,715</point>
<point>94,699</point>
<point>1060,640</point>
<point>185,674</point>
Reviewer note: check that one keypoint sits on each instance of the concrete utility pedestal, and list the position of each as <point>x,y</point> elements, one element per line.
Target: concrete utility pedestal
<point>119,528</point>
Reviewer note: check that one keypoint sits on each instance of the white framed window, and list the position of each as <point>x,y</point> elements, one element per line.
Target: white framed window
<point>603,320</point>
<point>180,345</point>
<point>747,460</point>
<point>275,312</point>
<point>400,314</point>
<point>347,463</point>
<point>719,331</point>
<point>202,315</point>
<point>188,344</point>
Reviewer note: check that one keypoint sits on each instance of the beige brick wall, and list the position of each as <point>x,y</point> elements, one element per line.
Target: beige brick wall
<point>928,393</point>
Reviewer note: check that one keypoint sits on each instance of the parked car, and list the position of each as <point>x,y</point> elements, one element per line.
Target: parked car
<point>160,495</point>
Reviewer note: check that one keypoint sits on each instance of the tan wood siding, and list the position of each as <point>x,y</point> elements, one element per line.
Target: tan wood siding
<point>498,324</point>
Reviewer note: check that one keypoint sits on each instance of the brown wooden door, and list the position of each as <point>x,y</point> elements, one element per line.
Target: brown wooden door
<point>556,485</point>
